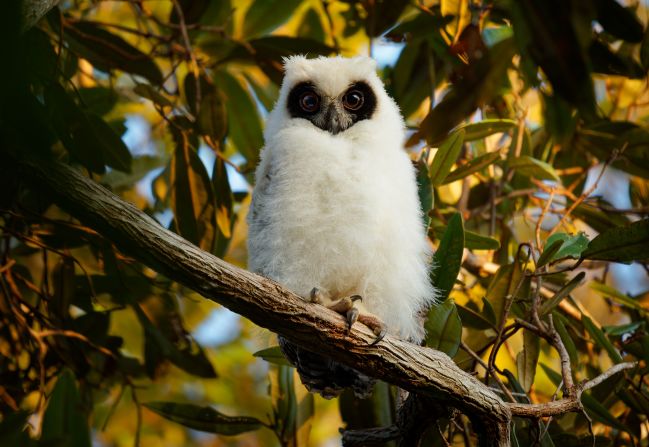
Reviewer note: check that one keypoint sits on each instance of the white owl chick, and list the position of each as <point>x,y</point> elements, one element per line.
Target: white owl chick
<point>335,206</point>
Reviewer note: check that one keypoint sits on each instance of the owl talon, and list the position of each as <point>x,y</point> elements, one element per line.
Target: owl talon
<point>378,327</point>
<point>352,316</point>
<point>382,332</point>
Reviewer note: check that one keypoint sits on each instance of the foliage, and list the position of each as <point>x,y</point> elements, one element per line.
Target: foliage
<point>528,132</point>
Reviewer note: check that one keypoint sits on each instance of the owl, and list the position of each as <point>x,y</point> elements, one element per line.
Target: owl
<point>335,214</point>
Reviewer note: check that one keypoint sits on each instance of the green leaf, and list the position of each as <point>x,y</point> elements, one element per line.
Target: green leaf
<point>475,165</point>
<point>444,328</point>
<point>273,355</point>
<point>621,244</point>
<point>65,419</point>
<point>114,152</point>
<point>488,311</point>
<point>73,128</point>
<point>502,286</point>
<point>482,82</point>
<point>263,16</point>
<point>560,325</point>
<point>600,413</point>
<point>212,117</point>
<point>107,51</point>
<point>601,339</point>
<point>534,168</point>
<point>471,318</point>
<point>527,359</point>
<point>99,100</point>
<point>472,240</point>
<point>622,329</point>
<point>63,281</point>
<point>482,129</point>
<point>617,296</point>
<point>205,419</point>
<point>192,361</point>
<point>445,157</point>
<point>243,116</point>
<point>192,197</point>
<point>223,198</point>
<point>425,191</point>
<point>547,34</point>
<point>293,407</point>
<point>549,252</point>
<point>644,49</point>
<point>572,247</point>
<point>561,294</point>
<point>151,93</point>
<point>447,260</point>
<point>619,21</point>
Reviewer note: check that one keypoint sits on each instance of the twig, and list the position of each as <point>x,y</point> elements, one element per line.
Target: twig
<point>477,358</point>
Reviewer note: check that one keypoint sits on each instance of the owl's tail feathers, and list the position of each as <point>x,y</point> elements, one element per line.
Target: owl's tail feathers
<point>322,375</point>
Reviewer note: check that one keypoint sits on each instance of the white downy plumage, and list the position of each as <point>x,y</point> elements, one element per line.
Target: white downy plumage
<point>341,212</point>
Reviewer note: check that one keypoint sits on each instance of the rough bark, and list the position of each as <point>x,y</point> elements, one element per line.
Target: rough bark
<point>34,10</point>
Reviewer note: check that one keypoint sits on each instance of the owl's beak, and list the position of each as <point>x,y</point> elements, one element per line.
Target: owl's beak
<point>336,120</point>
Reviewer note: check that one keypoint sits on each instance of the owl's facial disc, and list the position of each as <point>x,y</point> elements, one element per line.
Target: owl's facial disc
<point>333,114</point>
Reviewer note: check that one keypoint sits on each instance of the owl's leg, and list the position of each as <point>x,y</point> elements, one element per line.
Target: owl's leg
<point>344,306</point>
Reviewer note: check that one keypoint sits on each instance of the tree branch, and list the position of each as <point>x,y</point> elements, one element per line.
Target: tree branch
<point>429,373</point>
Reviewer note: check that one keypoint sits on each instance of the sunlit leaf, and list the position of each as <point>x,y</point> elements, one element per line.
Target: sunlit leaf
<point>561,294</point>
<point>264,16</point>
<point>527,359</point>
<point>617,296</point>
<point>475,165</point>
<point>479,85</point>
<point>485,128</point>
<point>205,419</point>
<point>472,240</point>
<point>273,355</point>
<point>223,197</point>
<point>192,197</point>
<point>445,156</point>
<point>444,328</point>
<point>534,168</point>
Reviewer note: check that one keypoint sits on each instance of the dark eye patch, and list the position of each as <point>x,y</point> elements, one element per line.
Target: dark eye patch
<point>368,103</point>
<point>303,94</point>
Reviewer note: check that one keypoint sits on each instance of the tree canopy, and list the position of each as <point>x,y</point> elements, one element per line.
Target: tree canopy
<point>528,129</point>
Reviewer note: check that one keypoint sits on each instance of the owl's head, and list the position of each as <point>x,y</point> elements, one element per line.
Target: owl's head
<point>331,93</point>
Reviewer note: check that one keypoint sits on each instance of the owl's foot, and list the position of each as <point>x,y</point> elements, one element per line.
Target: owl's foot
<point>344,306</point>
<point>378,327</point>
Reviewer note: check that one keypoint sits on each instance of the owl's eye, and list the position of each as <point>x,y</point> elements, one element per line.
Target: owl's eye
<point>353,100</point>
<point>309,102</point>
